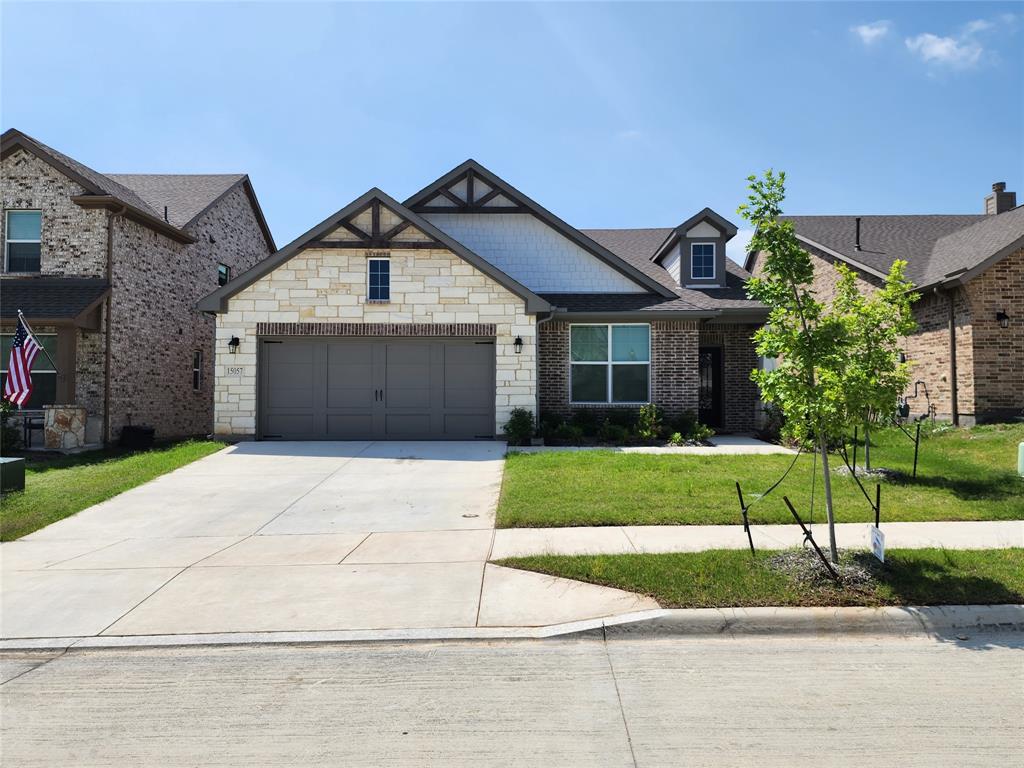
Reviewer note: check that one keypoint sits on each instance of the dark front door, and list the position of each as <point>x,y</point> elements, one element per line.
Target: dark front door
<point>710,388</point>
<point>392,389</point>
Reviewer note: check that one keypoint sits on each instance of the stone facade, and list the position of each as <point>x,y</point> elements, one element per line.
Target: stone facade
<point>428,286</point>
<point>990,359</point>
<point>63,427</point>
<point>156,283</point>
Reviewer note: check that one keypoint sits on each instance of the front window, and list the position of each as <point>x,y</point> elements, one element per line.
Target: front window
<point>44,378</point>
<point>702,261</point>
<point>197,370</point>
<point>379,276</point>
<point>610,363</point>
<point>22,246</point>
<point>223,274</point>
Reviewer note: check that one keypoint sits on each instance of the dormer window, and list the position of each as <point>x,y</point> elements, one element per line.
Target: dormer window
<point>702,261</point>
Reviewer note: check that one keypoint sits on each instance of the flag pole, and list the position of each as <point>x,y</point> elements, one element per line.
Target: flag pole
<point>32,333</point>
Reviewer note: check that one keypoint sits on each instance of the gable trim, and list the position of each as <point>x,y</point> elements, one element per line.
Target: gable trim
<point>218,300</point>
<point>472,169</point>
<point>723,225</point>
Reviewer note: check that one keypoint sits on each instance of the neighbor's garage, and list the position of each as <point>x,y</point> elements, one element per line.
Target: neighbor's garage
<point>376,389</point>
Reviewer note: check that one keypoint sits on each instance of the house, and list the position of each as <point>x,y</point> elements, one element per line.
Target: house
<point>435,317</point>
<point>968,350</point>
<point>107,269</point>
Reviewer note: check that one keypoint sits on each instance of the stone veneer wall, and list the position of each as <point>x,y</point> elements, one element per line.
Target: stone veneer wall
<point>673,367</point>
<point>741,397</point>
<point>156,285</point>
<point>329,286</point>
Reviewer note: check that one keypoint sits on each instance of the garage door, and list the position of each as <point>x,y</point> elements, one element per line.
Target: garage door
<point>394,389</point>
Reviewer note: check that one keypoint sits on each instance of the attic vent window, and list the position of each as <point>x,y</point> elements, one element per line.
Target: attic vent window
<point>702,261</point>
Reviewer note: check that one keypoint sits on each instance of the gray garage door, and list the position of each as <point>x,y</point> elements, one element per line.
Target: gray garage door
<point>394,389</point>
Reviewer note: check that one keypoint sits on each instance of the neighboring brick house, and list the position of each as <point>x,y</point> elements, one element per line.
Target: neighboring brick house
<point>435,317</point>
<point>969,271</point>
<point>107,269</point>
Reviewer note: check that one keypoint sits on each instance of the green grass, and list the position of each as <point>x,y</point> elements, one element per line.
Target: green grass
<point>57,488</point>
<point>732,578</point>
<point>963,474</point>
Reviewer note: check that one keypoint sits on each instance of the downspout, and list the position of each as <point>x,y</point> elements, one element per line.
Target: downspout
<point>954,395</point>
<point>107,354</point>
<point>536,369</point>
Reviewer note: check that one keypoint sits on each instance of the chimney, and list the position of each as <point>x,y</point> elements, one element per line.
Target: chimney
<point>1000,201</point>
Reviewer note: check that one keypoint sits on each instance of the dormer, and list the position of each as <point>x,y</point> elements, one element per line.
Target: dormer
<point>694,254</point>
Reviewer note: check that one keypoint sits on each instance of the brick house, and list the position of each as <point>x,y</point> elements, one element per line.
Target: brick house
<point>968,351</point>
<point>435,317</point>
<point>107,269</point>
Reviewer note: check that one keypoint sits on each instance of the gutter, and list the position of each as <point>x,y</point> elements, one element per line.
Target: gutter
<point>120,208</point>
<point>954,395</point>
<point>108,354</point>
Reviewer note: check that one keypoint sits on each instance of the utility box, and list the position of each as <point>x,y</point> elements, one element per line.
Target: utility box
<point>12,474</point>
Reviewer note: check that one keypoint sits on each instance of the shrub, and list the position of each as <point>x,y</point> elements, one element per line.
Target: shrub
<point>10,435</point>
<point>614,433</point>
<point>519,428</point>
<point>586,420</point>
<point>676,438</point>
<point>683,423</point>
<point>569,433</point>
<point>700,432</point>
<point>623,417</point>
<point>648,425</point>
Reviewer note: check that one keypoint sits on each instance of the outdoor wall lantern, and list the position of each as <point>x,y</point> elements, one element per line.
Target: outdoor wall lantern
<point>1003,318</point>
<point>234,344</point>
<point>518,344</point>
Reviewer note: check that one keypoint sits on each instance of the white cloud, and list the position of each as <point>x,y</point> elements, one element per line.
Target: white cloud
<point>870,34</point>
<point>960,51</point>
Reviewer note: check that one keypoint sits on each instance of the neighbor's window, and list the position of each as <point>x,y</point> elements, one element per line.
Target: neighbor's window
<point>223,274</point>
<point>610,363</point>
<point>702,261</point>
<point>44,378</point>
<point>197,370</point>
<point>22,246</point>
<point>379,276</point>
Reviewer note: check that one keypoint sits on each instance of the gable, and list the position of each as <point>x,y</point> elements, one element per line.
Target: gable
<point>522,238</point>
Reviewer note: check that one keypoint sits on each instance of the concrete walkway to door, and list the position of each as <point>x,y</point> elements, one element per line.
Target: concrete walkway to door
<point>291,537</point>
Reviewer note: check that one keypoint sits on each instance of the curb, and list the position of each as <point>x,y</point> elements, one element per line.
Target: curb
<point>908,621</point>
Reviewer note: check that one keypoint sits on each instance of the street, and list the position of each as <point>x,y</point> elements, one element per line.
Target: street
<point>625,701</point>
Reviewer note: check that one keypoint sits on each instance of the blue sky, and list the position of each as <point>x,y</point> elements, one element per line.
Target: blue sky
<point>611,115</point>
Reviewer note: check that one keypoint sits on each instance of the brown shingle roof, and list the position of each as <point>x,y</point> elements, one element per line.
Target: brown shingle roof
<point>185,195</point>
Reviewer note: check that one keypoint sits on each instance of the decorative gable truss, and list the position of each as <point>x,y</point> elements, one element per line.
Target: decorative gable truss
<point>375,228</point>
<point>469,192</point>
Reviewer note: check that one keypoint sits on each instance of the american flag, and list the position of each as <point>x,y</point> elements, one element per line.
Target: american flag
<point>18,387</point>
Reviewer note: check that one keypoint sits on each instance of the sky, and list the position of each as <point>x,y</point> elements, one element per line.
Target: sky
<point>608,114</point>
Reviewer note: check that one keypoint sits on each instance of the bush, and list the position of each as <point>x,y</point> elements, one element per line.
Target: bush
<point>676,439</point>
<point>10,435</point>
<point>684,423</point>
<point>587,421</point>
<point>568,433</point>
<point>771,429</point>
<point>700,432</point>
<point>614,433</point>
<point>648,425</point>
<point>519,428</point>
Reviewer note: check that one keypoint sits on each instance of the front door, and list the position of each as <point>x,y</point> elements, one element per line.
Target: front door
<point>710,386</point>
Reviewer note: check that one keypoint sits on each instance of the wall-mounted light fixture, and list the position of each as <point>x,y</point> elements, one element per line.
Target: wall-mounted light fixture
<point>234,344</point>
<point>1003,319</point>
<point>518,344</point>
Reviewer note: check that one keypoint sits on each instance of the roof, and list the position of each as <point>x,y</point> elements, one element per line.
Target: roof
<point>50,298</point>
<point>472,167</point>
<point>186,196</point>
<point>972,249</point>
<point>217,301</point>
<point>883,239</point>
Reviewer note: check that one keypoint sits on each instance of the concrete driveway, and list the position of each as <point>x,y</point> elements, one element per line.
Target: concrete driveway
<point>267,537</point>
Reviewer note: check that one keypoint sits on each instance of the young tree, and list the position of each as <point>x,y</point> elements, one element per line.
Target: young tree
<point>838,366</point>
<point>876,323</point>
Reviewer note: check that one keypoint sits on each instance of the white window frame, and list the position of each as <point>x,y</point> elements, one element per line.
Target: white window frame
<point>714,258</point>
<point>8,240</point>
<point>609,363</point>
<point>42,364</point>
<point>378,258</point>
<point>197,381</point>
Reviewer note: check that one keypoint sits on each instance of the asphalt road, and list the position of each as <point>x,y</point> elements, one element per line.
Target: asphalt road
<point>793,701</point>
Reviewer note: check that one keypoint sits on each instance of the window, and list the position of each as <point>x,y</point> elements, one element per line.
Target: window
<point>379,276</point>
<point>223,274</point>
<point>44,378</point>
<point>22,247</point>
<point>702,261</point>
<point>610,363</point>
<point>197,370</point>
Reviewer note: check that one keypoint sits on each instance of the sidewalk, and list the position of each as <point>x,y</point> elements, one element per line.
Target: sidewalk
<point>613,540</point>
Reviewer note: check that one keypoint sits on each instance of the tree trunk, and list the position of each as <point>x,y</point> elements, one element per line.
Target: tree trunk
<point>867,448</point>
<point>833,550</point>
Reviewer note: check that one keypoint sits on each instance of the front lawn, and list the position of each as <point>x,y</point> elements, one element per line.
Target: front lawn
<point>963,474</point>
<point>57,488</point>
<point>732,578</point>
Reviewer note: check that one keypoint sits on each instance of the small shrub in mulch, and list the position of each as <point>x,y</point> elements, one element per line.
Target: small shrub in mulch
<point>857,570</point>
